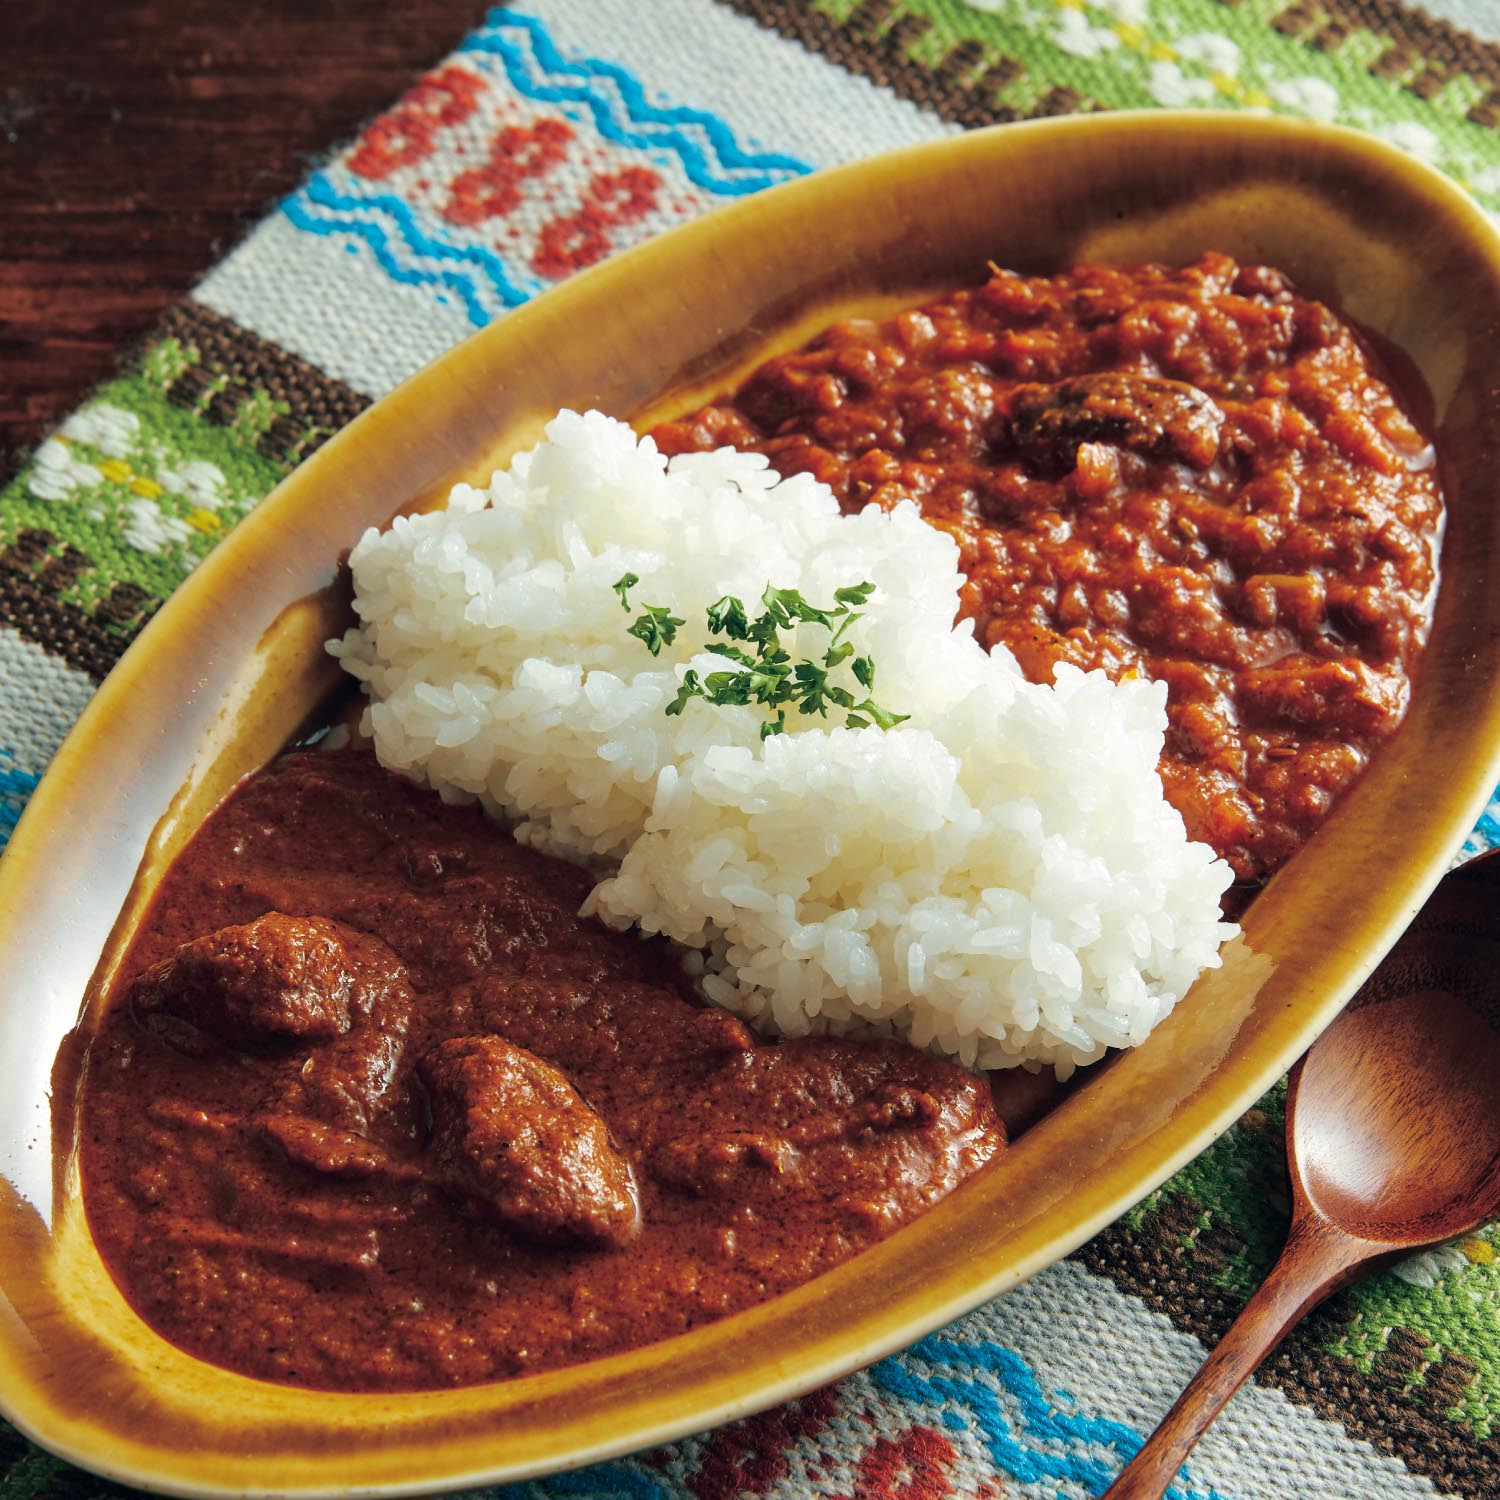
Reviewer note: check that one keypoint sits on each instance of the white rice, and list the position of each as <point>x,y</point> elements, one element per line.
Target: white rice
<point>999,878</point>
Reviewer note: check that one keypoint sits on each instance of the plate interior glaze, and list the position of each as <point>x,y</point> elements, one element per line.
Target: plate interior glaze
<point>232,665</point>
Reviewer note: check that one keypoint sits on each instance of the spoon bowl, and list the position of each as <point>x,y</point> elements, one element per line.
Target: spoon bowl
<point>1395,1138</point>
<point>1393,1143</point>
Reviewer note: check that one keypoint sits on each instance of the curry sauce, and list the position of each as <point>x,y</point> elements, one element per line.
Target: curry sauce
<point>375,1109</point>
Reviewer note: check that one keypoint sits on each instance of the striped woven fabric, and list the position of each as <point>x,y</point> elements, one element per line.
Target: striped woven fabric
<point>560,132</point>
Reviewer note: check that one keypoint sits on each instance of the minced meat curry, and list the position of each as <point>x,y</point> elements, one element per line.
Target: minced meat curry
<point>1195,474</point>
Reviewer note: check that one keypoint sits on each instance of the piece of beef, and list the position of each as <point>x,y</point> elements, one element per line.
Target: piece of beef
<point>275,981</point>
<point>514,1140</point>
<point>1157,418</point>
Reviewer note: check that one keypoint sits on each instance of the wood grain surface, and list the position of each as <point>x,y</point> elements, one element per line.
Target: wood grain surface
<point>140,138</point>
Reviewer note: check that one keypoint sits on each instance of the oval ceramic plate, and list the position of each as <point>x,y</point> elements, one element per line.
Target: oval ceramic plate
<point>232,664</point>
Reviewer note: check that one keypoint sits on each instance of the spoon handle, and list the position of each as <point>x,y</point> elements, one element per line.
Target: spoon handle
<point>1315,1261</point>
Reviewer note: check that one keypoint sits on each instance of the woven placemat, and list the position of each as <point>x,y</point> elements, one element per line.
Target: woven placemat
<point>569,129</point>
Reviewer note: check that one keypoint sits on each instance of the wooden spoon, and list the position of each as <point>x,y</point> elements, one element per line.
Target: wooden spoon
<point>1393,1142</point>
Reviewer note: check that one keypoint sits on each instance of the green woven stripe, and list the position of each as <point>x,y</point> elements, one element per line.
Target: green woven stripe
<point>107,518</point>
<point>1428,1332</point>
<point>141,482</point>
<point>1199,52</point>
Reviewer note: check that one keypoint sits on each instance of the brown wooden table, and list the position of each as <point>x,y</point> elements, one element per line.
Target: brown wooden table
<point>140,138</point>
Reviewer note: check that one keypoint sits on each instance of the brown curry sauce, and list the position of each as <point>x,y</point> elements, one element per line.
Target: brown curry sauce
<point>494,1139</point>
<point>375,1109</point>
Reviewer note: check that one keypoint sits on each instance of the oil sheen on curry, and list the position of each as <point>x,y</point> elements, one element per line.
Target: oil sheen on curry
<point>1195,474</point>
<point>374,1108</point>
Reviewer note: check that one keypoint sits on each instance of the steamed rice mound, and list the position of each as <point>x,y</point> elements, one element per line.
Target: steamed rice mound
<point>999,878</point>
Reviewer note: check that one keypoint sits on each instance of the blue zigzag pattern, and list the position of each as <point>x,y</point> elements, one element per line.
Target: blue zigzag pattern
<point>1052,1445</point>
<point>411,253</point>
<point>644,125</point>
<point>1042,1442</point>
<point>321,208</point>
<point>15,787</point>
<point>1486,834</point>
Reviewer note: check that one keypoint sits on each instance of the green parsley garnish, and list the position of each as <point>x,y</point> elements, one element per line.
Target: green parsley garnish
<point>656,627</point>
<point>765,672</point>
<point>622,586</point>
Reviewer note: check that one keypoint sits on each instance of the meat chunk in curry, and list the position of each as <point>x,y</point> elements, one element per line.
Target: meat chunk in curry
<point>513,1139</point>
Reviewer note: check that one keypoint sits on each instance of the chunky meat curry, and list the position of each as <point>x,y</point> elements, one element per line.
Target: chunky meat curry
<point>378,1110</point>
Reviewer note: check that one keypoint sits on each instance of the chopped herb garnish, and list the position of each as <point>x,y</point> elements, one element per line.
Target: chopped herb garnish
<point>766,672</point>
<point>727,617</point>
<point>622,586</point>
<point>656,628</point>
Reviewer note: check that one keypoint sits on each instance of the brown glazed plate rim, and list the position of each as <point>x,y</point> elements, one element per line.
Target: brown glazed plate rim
<point>232,664</point>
